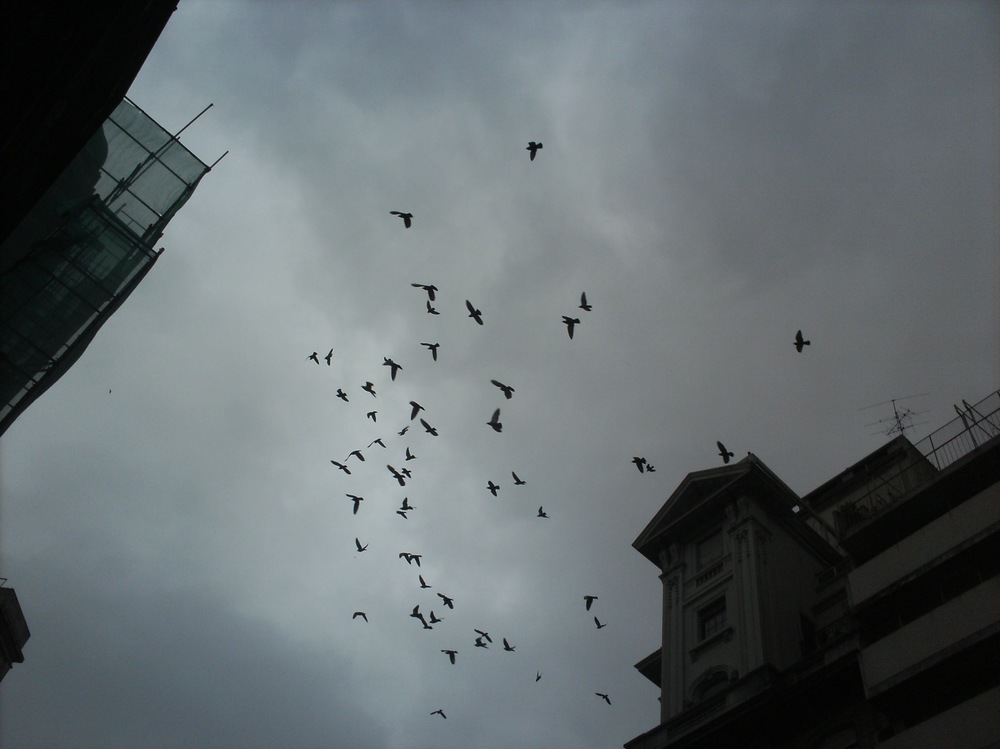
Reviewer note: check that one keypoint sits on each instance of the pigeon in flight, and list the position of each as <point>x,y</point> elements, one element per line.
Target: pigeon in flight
<point>342,395</point>
<point>724,453</point>
<point>371,415</point>
<point>508,391</point>
<point>423,583</point>
<point>481,644</point>
<point>410,558</point>
<point>650,468</point>
<point>433,347</point>
<point>393,367</point>
<point>483,634</point>
<point>533,148</point>
<point>370,388</point>
<point>357,542</point>
<point>441,712</point>
<point>406,505</point>
<point>397,475</point>
<point>377,441</point>
<point>800,343</point>
<point>599,624</point>
<point>589,600</point>
<point>417,615</point>
<point>451,656</point>
<point>342,467</point>
<point>404,430</point>
<point>409,455</point>
<point>603,697</point>
<point>357,501</point>
<point>640,463</point>
<point>583,302</point>
<point>494,488</point>
<point>434,619</point>
<point>314,356</point>
<point>449,602</point>
<point>407,472</point>
<point>329,358</point>
<point>429,288</point>
<point>542,513</point>
<point>431,310</point>
<point>507,646</point>
<point>495,421</point>
<point>415,408</point>
<point>357,454</point>
<point>402,514</point>
<point>571,322</point>
<point>518,481</point>
<point>474,313</point>
<point>429,429</point>
<point>407,217</point>
<point>362,614</point>
<point>538,675</point>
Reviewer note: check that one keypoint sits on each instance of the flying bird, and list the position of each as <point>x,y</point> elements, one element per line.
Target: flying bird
<point>449,602</point>
<point>434,619</point>
<point>583,302</point>
<point>377,441</point>
<point>397,475</point>
<point>570,323</point>
<point>589,600</point>
<point>407,505</point>
<point>342,467</point>
<point>640,463</point>
<point>370,388</point>
<point>599,624</point>
<point>341,394</point>
<point>481,644</point>
<point>508,391</point>
<point>409,455</point>
<point>533,148</point>
<point>357,454</point>
<point>542,513</point>
<point>410,558</point>
<point>406,472</point>
<point>538,675</point>
<point>603,697</point>
<point>724,453</point>
<point>357,542</point>
<point>423,583</point>
<point>507,646</point>
<point>650,468</point>
<point>402,514</point>
<point>433,348</point>
<point>429,429</point>
<point>404,430</point>
<point>407,217</point>
<point>483,634</point>
<point>371,415</point>
<point>451,656</point>
<point>417,615</point>
<point>429,288</point>
<point>800,343</point>
<point>441,712</point>
<point>518,481</point>
<point>329,358</point>
<point>495,421</point>
<point>393,367</point>
<point>362,614</point>
<point>314,356</point>
<point>357,501</point>
<point>431,310</point>
<point>494,488</point>
<point>415,408</point>
<point>474,313</point>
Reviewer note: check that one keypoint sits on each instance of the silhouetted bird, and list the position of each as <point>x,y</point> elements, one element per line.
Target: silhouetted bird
<point>508,391</point>
<point>583,302</point>
<point>542,513</point>
<point>429,429</point>
<point>603,697</point>
<point>417,615</point>
<point>410,558</point>
<point>724,453</point>
<point>474,313</point>
<point>402,514</point>
<point>538,675</point>
<point>799,342</point>
<point>341,394</point>
<point>483,634</point>
<point>371,415</point>
<point>650,468</point>
<point>329,358</point>
<point>342,467</point>
<point>433,348</point>
<point>406,505</point>
<point>494,488</point>
<point>481,644</point>
<point>397,475</point>
<point>404,430</point>
<point>571,322</point>
<point>449,602</point>
<point>409,455</point>
<point>431,310</point>
<point>434,619</point>
<point>495,421</point>
<point>451,656</point>
<point>393,367</point>
<point>406,472</point>
<point>362,614</point>
<point>598,623</point>
<point>533,148</point>
<point>507,646</point>
<point>407,217</point>
<point>429,288</point>
<point>423,583</point>
<point>517,481</point>
<point>369,387</point>
<point>314,356</point>
<point>377,441</point>
<point>589,600</point>
<point>441,712</point>
<point>415,408</point>
<point>357,454</point>
<point>357,501</point>
<point>357,542</point>
<point>640,463</point>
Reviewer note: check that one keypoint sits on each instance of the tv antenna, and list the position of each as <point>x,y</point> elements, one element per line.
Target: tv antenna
<point>901,419</point>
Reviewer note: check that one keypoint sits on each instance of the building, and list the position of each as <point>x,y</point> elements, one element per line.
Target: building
<point>13,630</point>
<point>866,613</point>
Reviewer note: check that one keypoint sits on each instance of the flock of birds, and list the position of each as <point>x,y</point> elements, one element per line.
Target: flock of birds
<point>481,639</point>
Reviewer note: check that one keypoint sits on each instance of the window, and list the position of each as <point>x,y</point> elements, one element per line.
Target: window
<point>712,619</point>
<point>708,550</point>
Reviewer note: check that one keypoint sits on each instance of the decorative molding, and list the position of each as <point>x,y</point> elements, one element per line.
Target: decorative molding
<point>723,635</point>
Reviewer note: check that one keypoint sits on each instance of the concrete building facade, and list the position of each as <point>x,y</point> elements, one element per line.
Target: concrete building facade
<point>866,613</point>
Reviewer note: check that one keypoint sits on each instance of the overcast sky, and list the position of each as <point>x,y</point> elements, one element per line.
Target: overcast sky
<point>714,175</point>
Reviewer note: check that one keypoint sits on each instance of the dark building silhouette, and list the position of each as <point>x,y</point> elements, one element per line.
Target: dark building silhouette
<point>13,630</point>
<point>865,614</point>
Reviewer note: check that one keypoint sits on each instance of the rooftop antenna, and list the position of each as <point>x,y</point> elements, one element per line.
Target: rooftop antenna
<point>901,419</point>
